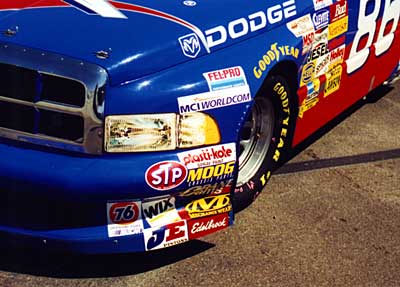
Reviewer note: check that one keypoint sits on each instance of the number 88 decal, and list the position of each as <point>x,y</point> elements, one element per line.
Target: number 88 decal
<point>367,28</point>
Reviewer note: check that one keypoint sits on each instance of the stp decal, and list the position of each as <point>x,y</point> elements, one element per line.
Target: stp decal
<point>166,175</point>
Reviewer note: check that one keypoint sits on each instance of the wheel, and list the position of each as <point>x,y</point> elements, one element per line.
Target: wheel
<point>263,138</point>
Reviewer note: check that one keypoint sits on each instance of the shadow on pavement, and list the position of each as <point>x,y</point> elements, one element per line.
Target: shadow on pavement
<point>67,265</point>
<point>338,161</point>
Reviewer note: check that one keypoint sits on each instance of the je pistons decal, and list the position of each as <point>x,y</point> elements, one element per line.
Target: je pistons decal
<point>165,175</point>
<point>165,236</point>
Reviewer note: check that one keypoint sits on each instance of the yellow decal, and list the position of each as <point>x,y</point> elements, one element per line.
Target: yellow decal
<point>333,80</point>
<point>274,55</point>
<point>209,206</point>
<point>338,28</point>
<point>308,73</point>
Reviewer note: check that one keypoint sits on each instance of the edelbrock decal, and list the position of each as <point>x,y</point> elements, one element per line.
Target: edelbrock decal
<point>214,100</point>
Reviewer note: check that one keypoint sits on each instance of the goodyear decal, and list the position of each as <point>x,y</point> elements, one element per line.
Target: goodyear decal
<point>274,54</point>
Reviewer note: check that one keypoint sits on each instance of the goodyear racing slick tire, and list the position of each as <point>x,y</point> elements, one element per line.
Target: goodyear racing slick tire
<point>263,139</point>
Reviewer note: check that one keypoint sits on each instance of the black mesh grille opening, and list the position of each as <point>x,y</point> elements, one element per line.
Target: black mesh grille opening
<point>17,117</point>
<point>65,126</point>
<point>61,90</point>
<point>17,83</point>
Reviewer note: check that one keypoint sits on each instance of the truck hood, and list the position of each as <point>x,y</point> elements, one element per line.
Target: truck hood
<point>131,39</point>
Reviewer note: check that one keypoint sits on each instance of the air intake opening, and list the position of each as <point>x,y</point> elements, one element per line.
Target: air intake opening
<point>62,90</point>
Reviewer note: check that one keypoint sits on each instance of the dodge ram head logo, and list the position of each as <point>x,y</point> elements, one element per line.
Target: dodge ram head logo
<point>190,45</point>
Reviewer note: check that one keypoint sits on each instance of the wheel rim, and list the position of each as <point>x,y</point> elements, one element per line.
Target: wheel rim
<point>255,139</point>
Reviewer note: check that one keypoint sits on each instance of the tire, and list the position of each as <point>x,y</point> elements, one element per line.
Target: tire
<point>263,139</point>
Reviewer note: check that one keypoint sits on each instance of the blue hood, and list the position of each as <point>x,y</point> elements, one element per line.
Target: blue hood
<point>141,37</point>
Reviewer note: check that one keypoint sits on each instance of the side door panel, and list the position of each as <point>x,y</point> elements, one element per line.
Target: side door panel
<point>372,54</point>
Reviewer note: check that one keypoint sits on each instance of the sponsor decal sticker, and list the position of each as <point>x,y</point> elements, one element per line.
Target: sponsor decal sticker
<point>322,65</point>
<point>160,212</point>
<point>301,26</point>
<point>336,56</point>
<point>333,80</point>
<point>212,205</point>
<point>308,41</point>
<point>124,218</point>
<point>208,156</point>
<point>165,236</point>
<point>308,73</point>
<point>166,175</point>
<point>320,4</point>
<point>225,78</point>
<point>209,174</point>
<point>318,51</point>
<point>312,99</point>
<point>214,100</point>
<point>274,55</point>
<point>222,187</point>
<point>339,10</point>
<point>204,226</point>
<point>338,28</point>
<point>321,19</point>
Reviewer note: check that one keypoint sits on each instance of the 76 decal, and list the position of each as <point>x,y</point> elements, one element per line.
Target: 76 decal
<point>124,218</point>
<point>367,26</point>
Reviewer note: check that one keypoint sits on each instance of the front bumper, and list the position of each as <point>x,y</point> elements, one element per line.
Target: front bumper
<point>59,201</point>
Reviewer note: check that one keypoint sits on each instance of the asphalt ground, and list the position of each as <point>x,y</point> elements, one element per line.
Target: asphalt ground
<point>329,217</point>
